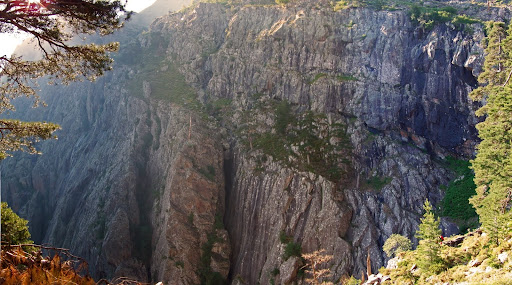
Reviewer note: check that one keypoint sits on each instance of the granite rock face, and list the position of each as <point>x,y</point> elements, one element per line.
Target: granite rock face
<point>400,90</point>
<point>148,183</point>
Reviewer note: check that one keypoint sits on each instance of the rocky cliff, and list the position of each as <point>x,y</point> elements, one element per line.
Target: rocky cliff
<point>231,138</point>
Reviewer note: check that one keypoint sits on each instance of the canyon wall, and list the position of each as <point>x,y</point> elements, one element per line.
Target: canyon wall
<point>228,134</point>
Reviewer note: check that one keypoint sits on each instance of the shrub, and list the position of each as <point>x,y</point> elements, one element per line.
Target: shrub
<point>275,272</point>
<point>179,264</point>
<point>428,17</point>
<point>353,281</point>
<point>284,238</point>
<point>292,249</point>
<point>395,244</point>
<point>464,19</point>
<point>377,183</point>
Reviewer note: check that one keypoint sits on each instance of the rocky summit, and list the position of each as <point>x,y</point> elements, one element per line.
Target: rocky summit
<point>232,137</point>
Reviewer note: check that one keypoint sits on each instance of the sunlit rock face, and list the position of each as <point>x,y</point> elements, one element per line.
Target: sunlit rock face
<point>162,171</point>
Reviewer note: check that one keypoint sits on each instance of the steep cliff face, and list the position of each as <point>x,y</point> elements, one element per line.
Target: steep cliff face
<point>316,128</point>
<point>133,185</point>
<point>139,189</point>
<point>400,91</point>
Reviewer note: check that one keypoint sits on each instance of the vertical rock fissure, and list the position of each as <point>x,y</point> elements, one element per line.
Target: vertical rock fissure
<point>228,188</point>
<point>142,231</point>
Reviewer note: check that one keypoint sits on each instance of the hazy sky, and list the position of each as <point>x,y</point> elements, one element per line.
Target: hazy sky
<point>8,42</point>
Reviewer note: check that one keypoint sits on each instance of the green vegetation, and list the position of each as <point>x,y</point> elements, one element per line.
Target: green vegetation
<point>306,141</point>
<point>472,260</point>
<point>219,223</point>
<point>427,256</point>
<point>273,275</point>
<point>100,225</point>
<point>205,271</point>
<point>456,200</point>
<point>490,248</point>
<point>220,107</point>
<point>208,172</point>
<point>318,76</point>
<point>179,264</point>
<point>352,281</point>
<point>163,77</point>
<point>429,260</point>
<point>284,238</point>
<point>346,77</point>
<point>21,136</point>
<point>14,229</point>
<point>206,274</point>
<point>428,17</point>
<point>422,14</point>
<point>345,4</point>
<point>493,162</point>
<point>275,272</point>
<point>464,20</point>
<point>165,83</point>
<point>191,219</point>
<point>395,244</point>
<point>59,60</point>
<point>377,182</point>
<point>291,248</point>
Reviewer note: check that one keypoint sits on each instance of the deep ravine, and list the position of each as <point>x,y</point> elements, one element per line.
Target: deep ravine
<point>224,131</point>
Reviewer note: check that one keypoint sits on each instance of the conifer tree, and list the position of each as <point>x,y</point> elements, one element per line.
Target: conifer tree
<point>14,228</point>
<point>428,251</point>
<point>493,162</point>
<point>52,24</point>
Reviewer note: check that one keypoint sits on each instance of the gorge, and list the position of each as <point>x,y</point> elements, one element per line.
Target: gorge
<point>229,134</point>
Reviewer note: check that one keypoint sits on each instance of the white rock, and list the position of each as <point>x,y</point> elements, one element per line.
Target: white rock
<point>373,279</point>
<point>474,263</point>
<point>503,257</point>
<point>393,263</point>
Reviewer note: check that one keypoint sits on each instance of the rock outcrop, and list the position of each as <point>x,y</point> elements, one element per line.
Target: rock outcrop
<point>160,172</point>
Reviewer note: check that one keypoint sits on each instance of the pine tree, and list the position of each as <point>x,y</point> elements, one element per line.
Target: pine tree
<point>14,228</point>
<point>493,162</point>
<point>428,251</point>
<point>52,24</point>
